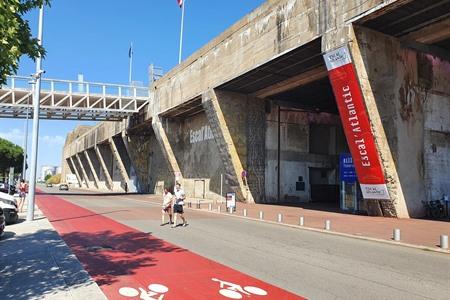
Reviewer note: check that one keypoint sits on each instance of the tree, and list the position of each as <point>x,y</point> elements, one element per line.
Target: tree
<point>11,155</point>
<point>15,35</point>
<point>47,177</point>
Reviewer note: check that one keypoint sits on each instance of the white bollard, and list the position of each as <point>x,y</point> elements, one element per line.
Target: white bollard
<point>302,221</point>
<point>444,242</point>
<point>261,215</point>
<point>245,212</point>
<point>396,235</point>
<point>280,218</point>
<point>327,225</point>
<point>218,209</point>
<point>230,210</point>
<point>210,206</point>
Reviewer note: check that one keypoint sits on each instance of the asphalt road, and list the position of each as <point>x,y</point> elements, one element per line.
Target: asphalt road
<point>314,265</point>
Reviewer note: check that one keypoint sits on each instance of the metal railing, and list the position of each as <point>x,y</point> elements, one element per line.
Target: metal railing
<point>66,99</point>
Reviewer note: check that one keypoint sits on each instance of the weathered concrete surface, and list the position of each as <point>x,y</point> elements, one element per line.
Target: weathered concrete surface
<point>402,89</point>
<point>405,92</point>
<point>309,143</point>
<point>272,29</point>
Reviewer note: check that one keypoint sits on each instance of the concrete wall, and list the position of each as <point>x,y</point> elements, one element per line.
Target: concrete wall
<point>298,157</point>
<point>412,93</point>
<point>198,156</point>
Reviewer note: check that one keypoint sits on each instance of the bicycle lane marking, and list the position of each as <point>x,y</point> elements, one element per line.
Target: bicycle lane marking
<point>117,256</point>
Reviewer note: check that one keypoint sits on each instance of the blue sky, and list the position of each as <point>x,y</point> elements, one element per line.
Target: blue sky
<point>93,38</point>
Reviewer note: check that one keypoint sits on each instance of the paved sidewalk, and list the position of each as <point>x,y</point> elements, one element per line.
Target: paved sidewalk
<point>419,233</point>
<point>414,232</point>
<point>35,263</point>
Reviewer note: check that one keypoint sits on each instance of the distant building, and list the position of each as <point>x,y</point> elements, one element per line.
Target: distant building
<point>49,170</point>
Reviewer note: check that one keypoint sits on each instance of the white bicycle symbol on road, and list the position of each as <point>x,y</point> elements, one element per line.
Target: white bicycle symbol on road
<point>235,291</point>
<point>154,290</point>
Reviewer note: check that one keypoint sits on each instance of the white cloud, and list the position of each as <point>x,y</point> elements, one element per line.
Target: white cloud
<point>56,140</point>
<point>15,136</point>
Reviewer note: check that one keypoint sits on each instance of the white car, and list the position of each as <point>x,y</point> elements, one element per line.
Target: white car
<point>9,205</point>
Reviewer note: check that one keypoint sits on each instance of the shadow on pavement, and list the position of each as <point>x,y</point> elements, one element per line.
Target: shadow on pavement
<point>91,215</point>
<point>107,255</point>
<point>31,266</point>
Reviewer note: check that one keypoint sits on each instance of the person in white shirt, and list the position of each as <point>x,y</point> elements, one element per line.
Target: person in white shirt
<point>178,205</point>
<point>167,206</point>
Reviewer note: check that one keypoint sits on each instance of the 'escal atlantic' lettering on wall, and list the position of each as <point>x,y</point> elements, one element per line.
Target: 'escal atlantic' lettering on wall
<point>200,135</point>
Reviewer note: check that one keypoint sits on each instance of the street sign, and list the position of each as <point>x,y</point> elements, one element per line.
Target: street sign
<point>231,200</point>
<point>347,171</point>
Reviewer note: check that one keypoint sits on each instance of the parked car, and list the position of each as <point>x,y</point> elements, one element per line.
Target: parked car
<point>2,222</point>
<point>63,187</point>
<point>4,187</point>
<point>49,184</point>
<point>9,206</point>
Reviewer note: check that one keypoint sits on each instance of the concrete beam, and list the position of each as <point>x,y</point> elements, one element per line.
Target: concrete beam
<point>109,181</point>
<point>293,82</point>
<point>83,171</point>
<point>93,170</point>
<point>430,34</point>
<point>166,147</point>
<point>226,145</point>
<point>120,164</point>
<point>74,167</point>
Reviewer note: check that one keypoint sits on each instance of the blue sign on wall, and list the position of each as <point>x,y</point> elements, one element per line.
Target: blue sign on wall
<point>347,171</point>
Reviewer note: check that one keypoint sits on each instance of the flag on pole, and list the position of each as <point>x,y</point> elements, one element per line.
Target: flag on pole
<point>130,51</point>
<point>180,3</point>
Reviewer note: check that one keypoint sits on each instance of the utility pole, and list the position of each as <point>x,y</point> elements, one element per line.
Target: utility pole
<point>36,100</point>
<point>25,143</point>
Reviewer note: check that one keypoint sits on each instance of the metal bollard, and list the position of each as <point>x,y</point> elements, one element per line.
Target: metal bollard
<point>327,225</point>
<point>210,206</point>
<point>444,242</point>
<point>261,215</point>
<point>198,204</point>
<point>280,218</point>
<point>245,212</point>
<point>396,234</point>
<point>302,221</point>
<point>218,209</point>
<point>189,204</point>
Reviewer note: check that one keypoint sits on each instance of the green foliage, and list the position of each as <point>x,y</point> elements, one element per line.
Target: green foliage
<point>47,177</point>
<point>11,155</point>
<point>15,35</point>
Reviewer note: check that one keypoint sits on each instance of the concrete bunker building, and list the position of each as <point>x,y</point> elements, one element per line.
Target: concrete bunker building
<point>259,99</point>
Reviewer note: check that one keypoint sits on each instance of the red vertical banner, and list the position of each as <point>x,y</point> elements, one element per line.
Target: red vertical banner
<point>356,124</point>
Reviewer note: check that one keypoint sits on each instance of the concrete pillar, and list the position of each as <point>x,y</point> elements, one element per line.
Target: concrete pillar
<point>133,169</point>
<point>72,165</point>
<point>396,206</point>
<point>226,144</point>
<point>108,178</point>
<point>166,147</point>
<point>83,171</point>
<point>93,170</point>
<point>121,165</point>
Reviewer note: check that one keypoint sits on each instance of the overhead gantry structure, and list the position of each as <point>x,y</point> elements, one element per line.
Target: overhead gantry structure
<point>71,100</point>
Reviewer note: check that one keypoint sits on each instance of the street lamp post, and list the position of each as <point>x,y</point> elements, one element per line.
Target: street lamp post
<point>25,142</point>
<point>36,100</point>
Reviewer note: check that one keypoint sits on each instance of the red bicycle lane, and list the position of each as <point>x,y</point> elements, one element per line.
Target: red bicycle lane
<point>130,264</point>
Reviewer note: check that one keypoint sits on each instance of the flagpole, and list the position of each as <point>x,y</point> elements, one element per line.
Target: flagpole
<point>131,63</point>
<point>181,33</point>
